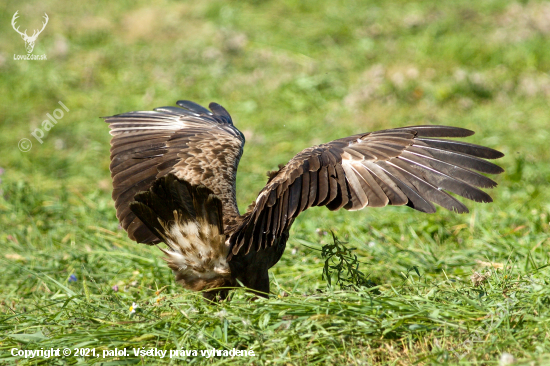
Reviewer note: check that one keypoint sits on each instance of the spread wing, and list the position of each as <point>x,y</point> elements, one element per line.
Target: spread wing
<point>197,145</point>
<point>402,166</point>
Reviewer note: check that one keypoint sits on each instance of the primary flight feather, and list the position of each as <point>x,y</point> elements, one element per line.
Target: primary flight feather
<point>174,171</point>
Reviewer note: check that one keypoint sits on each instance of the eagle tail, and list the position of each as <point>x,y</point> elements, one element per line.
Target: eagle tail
<point>189,220</point>
<point>171,200</point>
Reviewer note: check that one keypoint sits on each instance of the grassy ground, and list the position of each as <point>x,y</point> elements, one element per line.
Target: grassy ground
<point>292,74</point>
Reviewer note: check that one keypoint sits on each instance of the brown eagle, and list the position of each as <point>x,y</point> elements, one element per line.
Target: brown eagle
<point>174,171</point>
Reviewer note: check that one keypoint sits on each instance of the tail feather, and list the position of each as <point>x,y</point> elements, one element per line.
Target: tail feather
<point>171,199</point>
<point>189,220</point>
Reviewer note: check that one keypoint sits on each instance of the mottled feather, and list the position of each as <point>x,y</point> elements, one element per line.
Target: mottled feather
<point>195,144</point>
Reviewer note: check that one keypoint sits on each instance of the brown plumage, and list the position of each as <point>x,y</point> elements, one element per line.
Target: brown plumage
<point>184,162</point>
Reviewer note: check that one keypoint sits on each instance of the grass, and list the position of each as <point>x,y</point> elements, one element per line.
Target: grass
<point>292,74</point>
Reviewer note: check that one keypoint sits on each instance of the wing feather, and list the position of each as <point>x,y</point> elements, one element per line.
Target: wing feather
<point>342,195</point>
<point>402,166</point>
<point>304,195</point>
<point>196,144</point>
<point>323,187</point>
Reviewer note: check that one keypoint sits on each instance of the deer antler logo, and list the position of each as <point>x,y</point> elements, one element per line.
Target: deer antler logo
<point>29,41</point>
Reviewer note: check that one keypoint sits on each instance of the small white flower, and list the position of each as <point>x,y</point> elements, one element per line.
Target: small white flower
<point>133,308</point>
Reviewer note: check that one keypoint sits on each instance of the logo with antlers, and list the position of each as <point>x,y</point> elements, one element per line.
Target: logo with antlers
<point>29,41</point>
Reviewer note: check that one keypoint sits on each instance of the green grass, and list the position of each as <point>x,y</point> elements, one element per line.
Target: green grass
<point>292,74</point>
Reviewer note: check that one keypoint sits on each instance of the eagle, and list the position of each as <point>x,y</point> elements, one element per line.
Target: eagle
<point>174,181</point>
